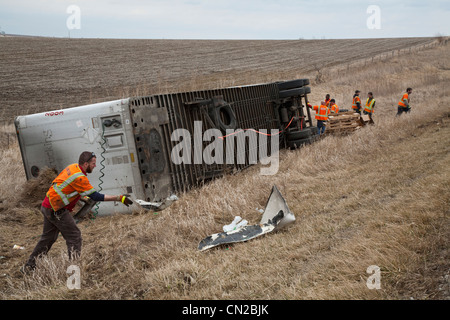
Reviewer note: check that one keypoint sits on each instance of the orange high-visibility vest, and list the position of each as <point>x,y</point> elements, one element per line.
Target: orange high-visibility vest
<point>405,97</point>
<point>68,185</point>
<point>369,105</point>
<point>322,112</point>
<point>355,100</point>
<point>334,108</point>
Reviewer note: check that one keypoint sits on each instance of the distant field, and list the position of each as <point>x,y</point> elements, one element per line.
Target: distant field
<point>41,74</point>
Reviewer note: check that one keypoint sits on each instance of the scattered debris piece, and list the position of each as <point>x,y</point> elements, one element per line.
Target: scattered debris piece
<point>236,224</point>
<point>240,235</point>
<point>157,206</point>
<point>276,203</point>
<point>276,216</point>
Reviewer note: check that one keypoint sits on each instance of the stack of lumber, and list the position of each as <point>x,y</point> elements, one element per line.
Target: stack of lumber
<point>345,122</point>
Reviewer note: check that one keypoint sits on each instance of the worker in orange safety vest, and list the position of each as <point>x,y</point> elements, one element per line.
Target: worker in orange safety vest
<point>327,100</point>
<point>66,189</point>
<point>333,106</point>
<point>356,104</point>
<point>322,113</point>
<point>370,106</point>
<point>403,105</point>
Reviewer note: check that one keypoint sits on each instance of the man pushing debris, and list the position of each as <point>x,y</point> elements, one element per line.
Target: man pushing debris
<point>67,188</point>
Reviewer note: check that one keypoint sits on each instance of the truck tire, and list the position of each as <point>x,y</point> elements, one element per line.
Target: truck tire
<point>313,130</point>
<point>308,140</point>
<point>300,134</point>
<point>294,92</point>
<point>286,85</point>
<point>229,119</point>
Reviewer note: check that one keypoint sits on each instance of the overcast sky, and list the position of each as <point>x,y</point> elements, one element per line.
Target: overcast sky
<point>225,19</point>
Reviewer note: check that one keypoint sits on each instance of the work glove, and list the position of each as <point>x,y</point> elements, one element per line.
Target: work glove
<point>126,200</point>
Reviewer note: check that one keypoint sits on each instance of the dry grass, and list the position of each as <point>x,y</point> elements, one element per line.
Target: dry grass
<point>377,197</point>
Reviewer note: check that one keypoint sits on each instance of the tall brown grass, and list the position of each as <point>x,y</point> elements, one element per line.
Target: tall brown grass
<point>376,197</point>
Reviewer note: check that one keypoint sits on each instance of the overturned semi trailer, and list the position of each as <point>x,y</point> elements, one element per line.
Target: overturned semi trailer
<point>155,146</point>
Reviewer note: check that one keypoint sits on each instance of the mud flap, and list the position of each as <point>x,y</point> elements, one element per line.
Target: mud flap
<point>276,216</point>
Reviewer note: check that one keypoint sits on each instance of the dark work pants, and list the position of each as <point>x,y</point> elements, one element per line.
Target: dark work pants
<point>54,224</point>
<point>320,127</point>
<point>401,109</point>
<point>357,110</point>
<point>370,117</point>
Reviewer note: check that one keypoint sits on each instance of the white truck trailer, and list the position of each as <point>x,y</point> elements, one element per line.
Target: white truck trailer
<point>132,138</point>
